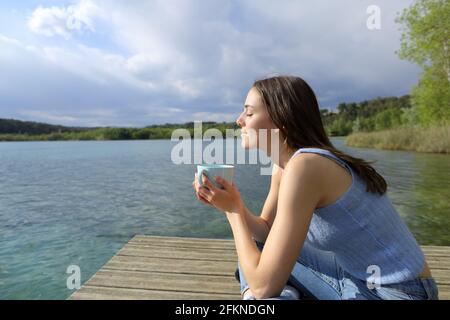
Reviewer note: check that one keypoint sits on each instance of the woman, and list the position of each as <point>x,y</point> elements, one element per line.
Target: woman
<point>327,229</point>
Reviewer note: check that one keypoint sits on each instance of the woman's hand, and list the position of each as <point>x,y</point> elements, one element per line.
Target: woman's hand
<point>225,200</point>
<point>196,188</point>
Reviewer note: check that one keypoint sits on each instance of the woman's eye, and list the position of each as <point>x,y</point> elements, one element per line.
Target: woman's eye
<point>249,115</point>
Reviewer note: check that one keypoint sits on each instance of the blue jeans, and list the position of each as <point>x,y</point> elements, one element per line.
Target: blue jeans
<point>317,275</point>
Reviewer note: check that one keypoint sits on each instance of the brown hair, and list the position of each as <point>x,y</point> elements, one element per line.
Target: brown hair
<point>293,107</point>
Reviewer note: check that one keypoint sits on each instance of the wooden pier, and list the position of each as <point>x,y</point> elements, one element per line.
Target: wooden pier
<point>160,268</point>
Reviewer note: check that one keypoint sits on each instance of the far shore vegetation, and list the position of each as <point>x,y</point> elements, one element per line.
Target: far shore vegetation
<point>433,139</point>
<point>419,121</point>
<point>425,127</point>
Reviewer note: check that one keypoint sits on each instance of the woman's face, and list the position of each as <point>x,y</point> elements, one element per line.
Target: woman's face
<point>252,120</point>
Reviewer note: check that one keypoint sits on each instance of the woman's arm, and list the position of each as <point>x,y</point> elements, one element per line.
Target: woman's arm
<point>267,272</point>
<point>260,225</point>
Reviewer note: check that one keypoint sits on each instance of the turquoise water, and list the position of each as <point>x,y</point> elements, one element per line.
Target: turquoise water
<point>77,203</point>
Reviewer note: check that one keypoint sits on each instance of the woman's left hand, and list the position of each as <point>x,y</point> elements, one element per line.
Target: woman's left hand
<point>225,200</point>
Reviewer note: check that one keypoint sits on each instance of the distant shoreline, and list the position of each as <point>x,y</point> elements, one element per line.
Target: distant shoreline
<point>427,140</point>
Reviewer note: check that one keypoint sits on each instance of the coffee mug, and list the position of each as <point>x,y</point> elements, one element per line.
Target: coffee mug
<point>211,171</point>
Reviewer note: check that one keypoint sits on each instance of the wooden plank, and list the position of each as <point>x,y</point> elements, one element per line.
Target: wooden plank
<point>164,238</point>
<point>112,293</point>
<point>436,254</point>
<point>150,264</point>
<point>180,253</point>
<point>180,245</point>
<point>443,251</point>
<point>438,262</point>
<point>441,276</point>
<point>436,248</point>
<point>165,281</point>
<point>187,247</point>
<point>444,292</point>
<point>184,242</point>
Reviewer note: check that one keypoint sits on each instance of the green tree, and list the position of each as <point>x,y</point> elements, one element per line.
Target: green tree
<point>425,41</point>
<point>340,127</point>
<point>367,124</point>
<point>357,125</point>
<point>389,118</point>
<point>410,117</point>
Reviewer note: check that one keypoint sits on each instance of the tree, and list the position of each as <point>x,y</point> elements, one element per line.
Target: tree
<point>389,118</point>
<point>425,41</point>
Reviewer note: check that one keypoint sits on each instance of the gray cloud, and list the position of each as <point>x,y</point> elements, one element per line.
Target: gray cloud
<point>197,60</point>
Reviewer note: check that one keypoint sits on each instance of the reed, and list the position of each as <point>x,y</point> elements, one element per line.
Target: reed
<point>433,139</point>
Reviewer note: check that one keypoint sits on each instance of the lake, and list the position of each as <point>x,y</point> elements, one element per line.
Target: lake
<point>78,202</point>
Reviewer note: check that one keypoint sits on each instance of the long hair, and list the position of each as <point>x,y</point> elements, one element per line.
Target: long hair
<point>293,108</point>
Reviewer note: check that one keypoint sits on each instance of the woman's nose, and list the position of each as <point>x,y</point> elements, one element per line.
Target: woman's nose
<point>239,121</point>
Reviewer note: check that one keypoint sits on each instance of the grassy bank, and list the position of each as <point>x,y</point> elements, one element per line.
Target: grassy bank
<point>436,139</point>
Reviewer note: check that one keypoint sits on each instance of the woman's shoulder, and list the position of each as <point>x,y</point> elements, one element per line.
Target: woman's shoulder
<point>302,179</point>
<point>309,164</point>
<point>317,159</point>
<point>331,179</point>
<point>313,161</point>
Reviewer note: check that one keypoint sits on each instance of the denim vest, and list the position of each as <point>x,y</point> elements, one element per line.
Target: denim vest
<point>365,232</point>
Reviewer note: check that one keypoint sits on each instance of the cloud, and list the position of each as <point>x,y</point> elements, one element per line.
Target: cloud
<point>10,41</point>
<point>218,117</point>
<point>176,61</point>
<point>63,21</point>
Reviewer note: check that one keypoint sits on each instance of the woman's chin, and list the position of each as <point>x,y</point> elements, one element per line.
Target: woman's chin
<point>247,146</point>
<point>246,143</point>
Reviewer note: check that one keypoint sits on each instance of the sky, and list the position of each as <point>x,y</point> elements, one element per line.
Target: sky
<point>134,63</point>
